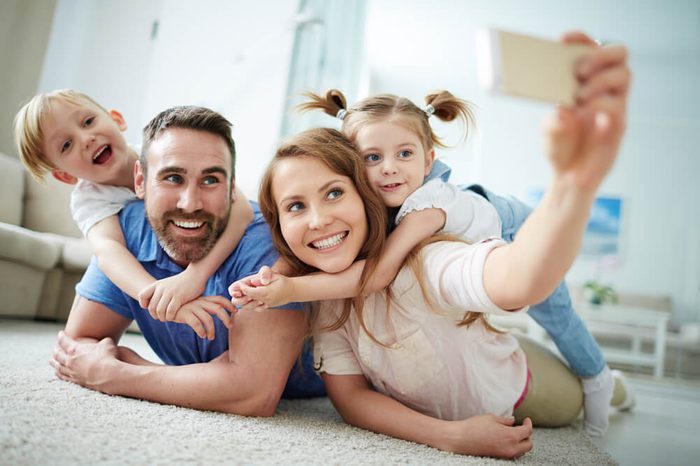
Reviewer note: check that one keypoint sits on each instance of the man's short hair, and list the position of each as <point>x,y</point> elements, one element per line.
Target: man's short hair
<point>28,133</point>
<point>188,117</point>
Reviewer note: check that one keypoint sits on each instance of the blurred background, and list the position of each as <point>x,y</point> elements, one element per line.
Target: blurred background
<point>250,60</point>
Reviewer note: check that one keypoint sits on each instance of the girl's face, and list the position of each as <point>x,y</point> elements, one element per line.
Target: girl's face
<point>395,161</point>
<point>321,214</point>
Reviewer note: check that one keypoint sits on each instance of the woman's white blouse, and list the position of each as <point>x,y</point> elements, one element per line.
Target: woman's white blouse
<point>430,364</point>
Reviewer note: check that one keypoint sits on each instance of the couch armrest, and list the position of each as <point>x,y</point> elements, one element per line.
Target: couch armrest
<point>28,247</point>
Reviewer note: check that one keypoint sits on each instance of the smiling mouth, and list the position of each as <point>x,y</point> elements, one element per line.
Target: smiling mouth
<point>390,186</point>
<point>329,242</point>
<point>187,224</point>
<point>102,155</point>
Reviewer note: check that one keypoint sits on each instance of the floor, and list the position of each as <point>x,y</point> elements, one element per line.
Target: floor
<point>660,430</point>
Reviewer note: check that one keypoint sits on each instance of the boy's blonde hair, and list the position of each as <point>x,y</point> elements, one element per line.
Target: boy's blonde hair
<point>28,133</point>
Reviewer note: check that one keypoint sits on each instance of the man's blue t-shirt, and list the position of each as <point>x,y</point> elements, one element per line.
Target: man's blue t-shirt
<point>175,343</point>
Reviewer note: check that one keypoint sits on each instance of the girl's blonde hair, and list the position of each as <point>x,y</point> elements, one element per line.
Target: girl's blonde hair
<point>442,104</point>
<point>27,125</point>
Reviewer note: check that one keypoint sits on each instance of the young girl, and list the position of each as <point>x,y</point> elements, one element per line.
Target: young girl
<point>397,143</point>
<point>67,133</point>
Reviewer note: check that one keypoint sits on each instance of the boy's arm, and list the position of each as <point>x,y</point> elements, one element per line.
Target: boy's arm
<point>485,435</point>
<point>164,297</point>
<point>272,289</point>
<point>114,259</point>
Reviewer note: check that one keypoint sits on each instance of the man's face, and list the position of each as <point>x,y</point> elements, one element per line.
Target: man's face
<point>187,191</point>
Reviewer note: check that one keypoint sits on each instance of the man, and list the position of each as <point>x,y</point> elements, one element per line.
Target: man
<point>185,177</point>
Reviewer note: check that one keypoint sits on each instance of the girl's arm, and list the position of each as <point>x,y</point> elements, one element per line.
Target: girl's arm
<point>164,297</point>
<point>583,144</point>
<point>485,435</point>
<point>272,289</point>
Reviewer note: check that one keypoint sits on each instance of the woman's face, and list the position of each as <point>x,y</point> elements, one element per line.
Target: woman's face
<point>321,214</point>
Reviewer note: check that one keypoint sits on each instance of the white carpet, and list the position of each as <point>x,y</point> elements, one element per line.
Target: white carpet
<point>44,421</point>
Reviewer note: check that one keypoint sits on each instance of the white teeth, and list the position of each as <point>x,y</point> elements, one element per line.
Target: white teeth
<point>97,154</point>
<point>185,224</point>
<point>329,242</point>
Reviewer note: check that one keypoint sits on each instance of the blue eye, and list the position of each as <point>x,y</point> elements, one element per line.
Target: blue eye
<point>404,154</point>
<point>295,207</point>
<point>209,180</point>
<point>173,178</point>
<point>372,158</point>
<point>334,194</point>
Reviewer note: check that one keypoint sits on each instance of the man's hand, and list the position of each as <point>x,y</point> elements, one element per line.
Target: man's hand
<point>489,435</point>
<point>198,315</point>
<point>84,363</point>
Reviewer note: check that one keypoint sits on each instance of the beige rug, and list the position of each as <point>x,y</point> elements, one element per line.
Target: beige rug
<point>44,421</point>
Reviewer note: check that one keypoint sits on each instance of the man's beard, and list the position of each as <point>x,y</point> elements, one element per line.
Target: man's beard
<point>183,249</point>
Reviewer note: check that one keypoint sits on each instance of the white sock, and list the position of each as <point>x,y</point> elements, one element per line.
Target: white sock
<point>597,394</point>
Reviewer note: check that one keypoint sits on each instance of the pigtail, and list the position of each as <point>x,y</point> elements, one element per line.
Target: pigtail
<point>447,107</point>
<point>333,103</point>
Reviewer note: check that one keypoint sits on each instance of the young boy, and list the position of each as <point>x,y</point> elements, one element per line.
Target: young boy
<point>79,142</point>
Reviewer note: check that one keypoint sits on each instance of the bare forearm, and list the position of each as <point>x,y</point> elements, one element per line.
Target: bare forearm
<point>199,386</point>
<point>376,412</point>
<point>530,268</point>
<point>123,269</point>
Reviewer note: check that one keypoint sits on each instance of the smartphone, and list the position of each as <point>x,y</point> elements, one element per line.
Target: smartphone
<point>527,66</point>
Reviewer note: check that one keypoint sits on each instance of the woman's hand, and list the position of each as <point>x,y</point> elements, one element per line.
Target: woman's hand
<point>583,141</point>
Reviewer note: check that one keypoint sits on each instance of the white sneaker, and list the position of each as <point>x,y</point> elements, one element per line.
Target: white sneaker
<point>630,400</point>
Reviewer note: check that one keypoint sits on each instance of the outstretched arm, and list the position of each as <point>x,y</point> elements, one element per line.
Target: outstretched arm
<point>248,379</point>
<point>164,298</point>
<point>583,144</point>
<point>485,435</point>
<point>273,289</point>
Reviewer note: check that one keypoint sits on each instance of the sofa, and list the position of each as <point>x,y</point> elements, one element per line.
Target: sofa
<point>42,253</point>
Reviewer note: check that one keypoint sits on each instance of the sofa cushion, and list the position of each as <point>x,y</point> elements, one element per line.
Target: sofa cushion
<point>28,247</point>
<point>11,189</point>
<point>47,207</point>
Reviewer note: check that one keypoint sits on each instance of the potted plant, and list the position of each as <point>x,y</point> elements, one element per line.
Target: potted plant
<point>598,293</point>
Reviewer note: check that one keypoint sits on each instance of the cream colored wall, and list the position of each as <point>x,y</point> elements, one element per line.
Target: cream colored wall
<point>24,31</point>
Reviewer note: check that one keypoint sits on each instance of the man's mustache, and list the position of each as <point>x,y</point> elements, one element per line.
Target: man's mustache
<point>180,214</point>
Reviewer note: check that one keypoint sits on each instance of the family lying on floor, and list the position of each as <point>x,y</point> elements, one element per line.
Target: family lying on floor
<point>359,242</point>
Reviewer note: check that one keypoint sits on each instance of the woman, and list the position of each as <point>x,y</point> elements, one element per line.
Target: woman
<point>394,366</point>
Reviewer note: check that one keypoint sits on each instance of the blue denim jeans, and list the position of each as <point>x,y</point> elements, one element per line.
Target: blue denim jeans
<point>556,313</point>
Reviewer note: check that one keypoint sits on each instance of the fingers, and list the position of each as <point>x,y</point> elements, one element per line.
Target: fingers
<point>601,58</point>
<point>193,320</point>
<point>265,275</point>
<point>505,420</point>
<point>577,37</point>
<point>173,306</point>
<point>145,296</point>
<point>615,81</point>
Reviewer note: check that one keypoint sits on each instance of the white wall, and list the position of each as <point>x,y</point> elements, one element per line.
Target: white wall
<point>232,56</point>
<point>415,47</point>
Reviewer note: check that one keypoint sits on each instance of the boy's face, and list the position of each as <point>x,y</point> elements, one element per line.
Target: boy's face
<point>395,161</point>
<point>82,141</point>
